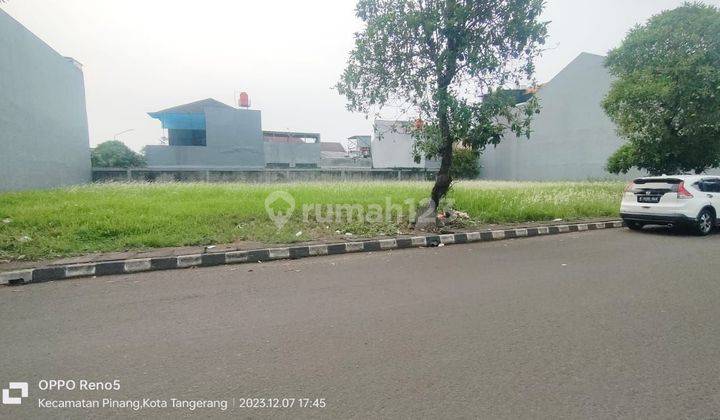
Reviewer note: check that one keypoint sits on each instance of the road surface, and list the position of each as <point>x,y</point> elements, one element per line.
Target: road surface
<point>586,325</point>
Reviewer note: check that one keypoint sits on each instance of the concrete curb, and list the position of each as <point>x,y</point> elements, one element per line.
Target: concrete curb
<point>104,268</point>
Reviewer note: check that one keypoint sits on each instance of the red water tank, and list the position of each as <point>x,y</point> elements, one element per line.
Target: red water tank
<point>244,100</point>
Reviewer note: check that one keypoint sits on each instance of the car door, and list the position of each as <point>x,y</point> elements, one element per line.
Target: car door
<point>711,188</point>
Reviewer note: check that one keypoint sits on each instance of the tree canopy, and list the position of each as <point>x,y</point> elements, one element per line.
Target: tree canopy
<point>114,154</point>
<point>444,63</point>
<point>666,98</point>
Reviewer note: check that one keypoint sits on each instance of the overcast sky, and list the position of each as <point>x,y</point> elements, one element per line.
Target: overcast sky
<point>140,56</point>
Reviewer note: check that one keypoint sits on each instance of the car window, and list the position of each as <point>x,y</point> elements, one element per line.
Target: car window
<point>709,185</point>
<point>714,185</point>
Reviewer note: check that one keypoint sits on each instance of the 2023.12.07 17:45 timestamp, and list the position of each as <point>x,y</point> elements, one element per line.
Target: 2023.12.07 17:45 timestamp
<point>280,403</point>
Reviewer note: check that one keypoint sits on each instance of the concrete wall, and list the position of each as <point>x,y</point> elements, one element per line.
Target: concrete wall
<point>572,137</point>
<point>43,122</point>
<point>234,140</point>
<point>346,162</point>
<point>258,176</point>
<point>292,153</point>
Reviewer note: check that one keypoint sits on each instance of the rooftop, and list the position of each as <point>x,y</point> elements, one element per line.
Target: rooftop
<point>197,107</point>
<point>331,147</point>
<point>290,137</point>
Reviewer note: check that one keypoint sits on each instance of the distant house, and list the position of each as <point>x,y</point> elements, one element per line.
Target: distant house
<point>209,134</point>
<point>571,138</point>
<point>291,149</point>
<point>332,150</point>
<point>335,156</point>
<point>360,146</point>
<point>43,121</point>
<point>392,147</point>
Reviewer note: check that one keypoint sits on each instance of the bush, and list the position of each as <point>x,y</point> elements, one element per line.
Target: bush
<point>114,154</point>
<point>465,164</point>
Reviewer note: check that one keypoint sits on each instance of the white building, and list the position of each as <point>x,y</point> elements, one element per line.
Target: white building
<point>392,145</point>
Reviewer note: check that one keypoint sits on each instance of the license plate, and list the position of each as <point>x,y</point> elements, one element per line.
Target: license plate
<point>648,199</point>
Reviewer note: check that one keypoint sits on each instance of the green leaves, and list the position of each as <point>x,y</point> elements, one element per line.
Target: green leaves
<point>622,160</point>
<point>114,154</point>
<point>665,100</point>
<point>466,164</point>
<point>427,58</point>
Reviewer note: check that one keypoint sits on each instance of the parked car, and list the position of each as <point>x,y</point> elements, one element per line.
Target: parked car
<point>688,200</point>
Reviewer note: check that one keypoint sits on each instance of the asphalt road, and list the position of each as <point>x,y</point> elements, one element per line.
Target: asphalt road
<point>588,325</point>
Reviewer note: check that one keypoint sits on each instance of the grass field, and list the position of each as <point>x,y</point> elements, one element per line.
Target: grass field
<point>115,217</point>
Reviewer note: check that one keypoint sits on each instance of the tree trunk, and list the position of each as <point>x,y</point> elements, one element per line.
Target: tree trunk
<point>443,178</point>
<point>446,73</point>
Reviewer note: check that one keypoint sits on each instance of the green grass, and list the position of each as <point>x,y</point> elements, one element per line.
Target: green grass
<point>117,217</point>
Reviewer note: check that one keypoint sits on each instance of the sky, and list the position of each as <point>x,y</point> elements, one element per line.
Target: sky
<point>141,56</point>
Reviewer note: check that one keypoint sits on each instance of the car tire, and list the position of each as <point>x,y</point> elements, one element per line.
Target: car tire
<point>705,222</point>
<point>634,225</point>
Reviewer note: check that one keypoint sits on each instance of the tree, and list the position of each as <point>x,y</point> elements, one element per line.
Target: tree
<point>666,98</point>
<point>465,164</point>
<point>114,154</point>
<point>446,62</point>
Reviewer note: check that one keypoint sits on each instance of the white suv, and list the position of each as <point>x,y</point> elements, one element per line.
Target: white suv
<point>672,200</point>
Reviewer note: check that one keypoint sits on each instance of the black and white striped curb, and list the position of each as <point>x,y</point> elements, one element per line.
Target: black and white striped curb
<point>104,268</point>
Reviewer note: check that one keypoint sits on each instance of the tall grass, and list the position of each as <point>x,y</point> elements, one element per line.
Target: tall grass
<point>113,217</point>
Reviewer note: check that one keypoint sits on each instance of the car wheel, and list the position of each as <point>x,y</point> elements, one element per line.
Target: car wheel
<point>634,225</point>
<point>705,222</point>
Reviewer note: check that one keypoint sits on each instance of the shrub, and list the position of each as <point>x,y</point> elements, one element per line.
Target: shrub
<point>465,164</point>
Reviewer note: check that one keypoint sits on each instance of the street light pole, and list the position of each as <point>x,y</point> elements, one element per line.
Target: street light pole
<point>115,137</point>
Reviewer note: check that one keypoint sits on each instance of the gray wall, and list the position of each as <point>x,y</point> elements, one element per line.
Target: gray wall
<point>234,140</point>
<point>346,162</point>
<point>292,153</point>
<point>263,175</point>
<point>572,137</point>
<point>200,157</point>
<point>43,122</point>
